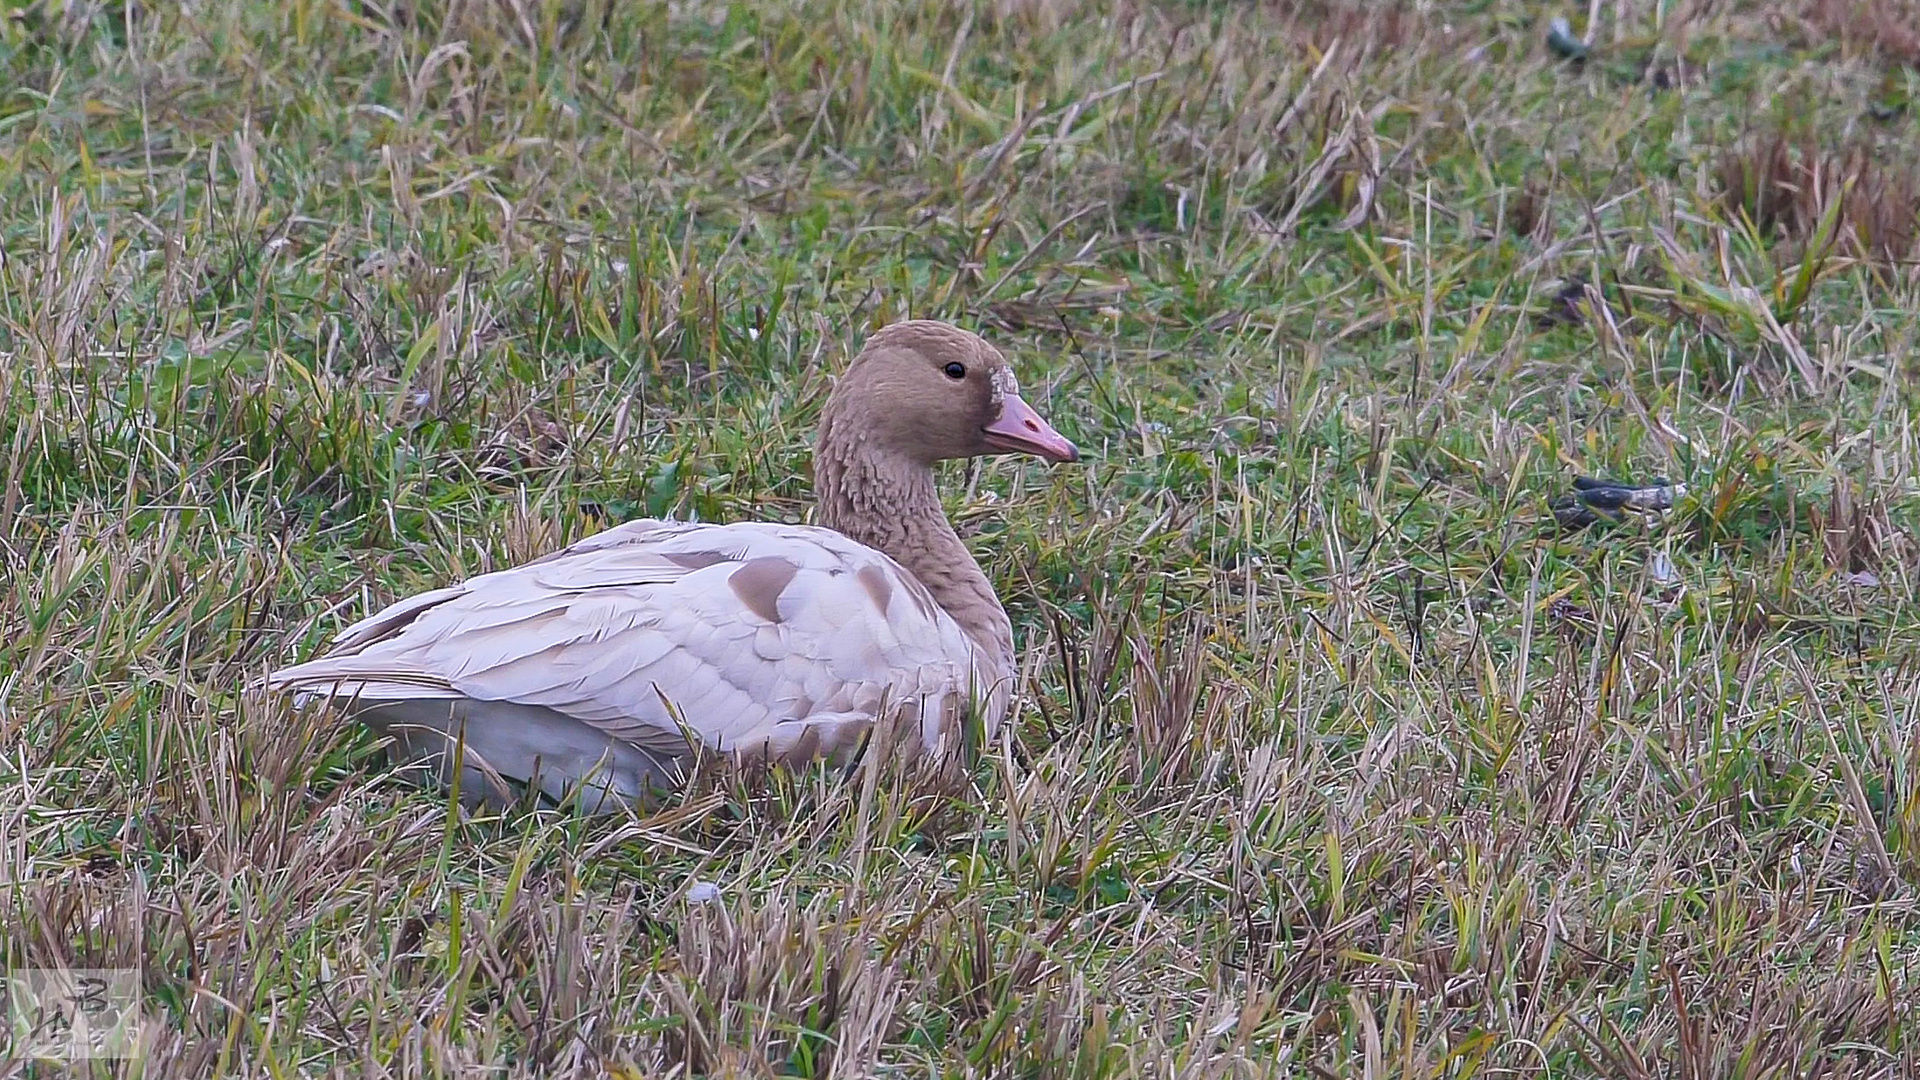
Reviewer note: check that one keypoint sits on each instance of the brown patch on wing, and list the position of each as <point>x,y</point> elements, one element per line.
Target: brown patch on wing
<point>880,590</point>
<point>759,582</point>
<point>695,560</point>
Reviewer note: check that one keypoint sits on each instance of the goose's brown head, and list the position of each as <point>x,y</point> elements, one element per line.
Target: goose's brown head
<point>931,391</point>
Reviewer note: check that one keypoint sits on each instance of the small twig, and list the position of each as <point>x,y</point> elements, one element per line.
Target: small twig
<point>1856,792</point>
<point>1394,524</point>
<point>1033,252</point>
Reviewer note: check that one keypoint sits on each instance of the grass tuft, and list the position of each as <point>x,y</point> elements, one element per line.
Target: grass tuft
<point>1794,189</point>
<point>1334,754</point>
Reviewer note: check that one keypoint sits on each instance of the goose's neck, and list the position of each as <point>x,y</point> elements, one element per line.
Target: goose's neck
<point>889,503</point>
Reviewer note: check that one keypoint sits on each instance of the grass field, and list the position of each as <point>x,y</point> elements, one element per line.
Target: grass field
<point>1335,755</point>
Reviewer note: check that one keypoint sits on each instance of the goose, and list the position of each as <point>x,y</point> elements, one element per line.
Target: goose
<point>588,675</point>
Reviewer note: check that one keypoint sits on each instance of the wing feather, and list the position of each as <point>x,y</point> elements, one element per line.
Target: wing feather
<point>602,631</point>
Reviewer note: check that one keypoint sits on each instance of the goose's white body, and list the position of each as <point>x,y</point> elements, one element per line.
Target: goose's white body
<point>585,672</point>
<point>595,672</point>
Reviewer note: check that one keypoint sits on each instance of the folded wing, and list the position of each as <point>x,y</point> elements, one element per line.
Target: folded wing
<point>753,638</point>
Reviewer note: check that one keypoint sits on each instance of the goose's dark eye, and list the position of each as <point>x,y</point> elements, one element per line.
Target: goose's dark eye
<point>956,370</point>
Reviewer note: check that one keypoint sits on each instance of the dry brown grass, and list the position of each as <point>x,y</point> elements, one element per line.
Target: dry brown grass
<point>1360,29</point>
<point>1787,185</point>
<point>1887,30</point>
<point>1333,757</point>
